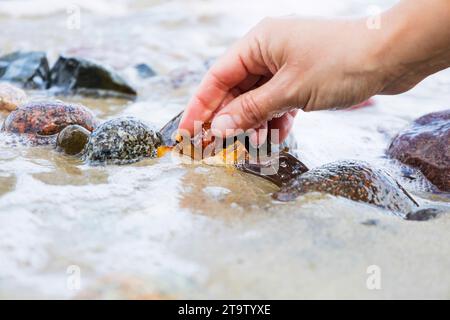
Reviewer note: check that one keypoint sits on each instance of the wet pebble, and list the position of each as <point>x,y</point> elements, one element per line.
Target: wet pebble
<point>425,145</point>
<point>39,122</point>
<point>11,97</point>
<point>355,180</point>
<point>122,141</point>
<point>216,193</point>
<point>72,139</point>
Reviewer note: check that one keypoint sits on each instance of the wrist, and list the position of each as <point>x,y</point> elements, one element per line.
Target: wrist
<point>412,43</point>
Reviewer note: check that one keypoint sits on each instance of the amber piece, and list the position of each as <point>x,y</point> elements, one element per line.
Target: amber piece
<point>161,151</point>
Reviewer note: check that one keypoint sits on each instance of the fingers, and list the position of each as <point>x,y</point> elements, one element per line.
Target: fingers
<point>253,108</point>
<point>283,125</point>
<point>367,103</point>
<point>259,136</point>
<point>229,72</point>
<point>250,82</point>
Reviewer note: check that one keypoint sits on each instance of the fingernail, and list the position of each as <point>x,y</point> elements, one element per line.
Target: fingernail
<point>223,123</point>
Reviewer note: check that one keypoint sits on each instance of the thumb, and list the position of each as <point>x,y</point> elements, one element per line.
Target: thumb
<point>254,107</point>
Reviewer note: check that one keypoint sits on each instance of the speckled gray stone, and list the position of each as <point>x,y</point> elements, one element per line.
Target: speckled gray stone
<point>121,141</point>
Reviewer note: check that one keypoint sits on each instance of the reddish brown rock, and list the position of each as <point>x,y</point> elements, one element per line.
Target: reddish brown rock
<point>425,145</point>
<point>38,121</point>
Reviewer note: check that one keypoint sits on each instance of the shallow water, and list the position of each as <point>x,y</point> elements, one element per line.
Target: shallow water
<point>163,229</point>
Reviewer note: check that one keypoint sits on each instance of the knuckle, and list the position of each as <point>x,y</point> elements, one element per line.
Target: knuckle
<point>251,111</point>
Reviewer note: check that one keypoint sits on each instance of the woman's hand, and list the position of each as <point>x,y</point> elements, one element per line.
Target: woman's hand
<point>291,63</point>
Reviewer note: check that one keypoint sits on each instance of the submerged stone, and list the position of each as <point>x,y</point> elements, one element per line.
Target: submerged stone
<point>357,181</point>
<point>75,75</point>
<point>11,97</point>
<point>29,69</point>
<point>280,168</point>
<point>72,139</point>
<point>144,71</point>
<point>39,122</point>
<point>122,141</point>
<point>423,214</point>
<point>425,145</point>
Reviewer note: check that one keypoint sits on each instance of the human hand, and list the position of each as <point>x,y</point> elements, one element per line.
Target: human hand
<point>281,65</point>
<point>286,64</point>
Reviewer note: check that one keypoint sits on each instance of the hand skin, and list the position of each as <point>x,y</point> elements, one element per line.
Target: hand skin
<point>291,63</point>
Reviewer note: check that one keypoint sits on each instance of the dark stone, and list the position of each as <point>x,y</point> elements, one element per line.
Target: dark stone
<point>370,222</point>
<point>423,214</point>
<point>121,141</point>
<point>72,139</point>
<point>75,75</point>
<point>169,131</point>
<point>357,181</point>
<point>425,145</point>
<point>144,71</point>
<point>279,169</point>
<point>29,69</point>
<point>37,121</point>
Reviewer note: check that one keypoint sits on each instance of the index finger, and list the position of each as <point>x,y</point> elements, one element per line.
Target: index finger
<point>224,75</point>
